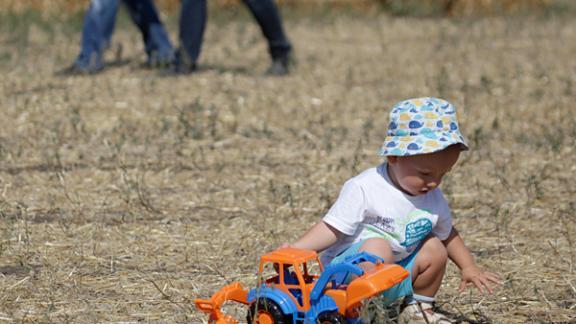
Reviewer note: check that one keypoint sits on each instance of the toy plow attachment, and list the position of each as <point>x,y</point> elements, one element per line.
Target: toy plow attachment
<point>212,306</point>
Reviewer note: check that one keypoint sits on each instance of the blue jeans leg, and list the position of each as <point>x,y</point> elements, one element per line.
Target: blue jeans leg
<point>97,30</point>
<point>192,26</point>
<point>268,17</point>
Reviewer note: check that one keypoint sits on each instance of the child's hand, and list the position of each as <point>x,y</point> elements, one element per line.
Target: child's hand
<point>481,279</point>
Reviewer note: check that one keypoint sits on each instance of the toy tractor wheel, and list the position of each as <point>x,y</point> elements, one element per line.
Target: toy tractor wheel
<point>266,311</point>
<point>331,318</point>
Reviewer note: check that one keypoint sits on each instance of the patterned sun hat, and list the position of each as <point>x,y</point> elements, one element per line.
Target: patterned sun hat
<point>420,126</point>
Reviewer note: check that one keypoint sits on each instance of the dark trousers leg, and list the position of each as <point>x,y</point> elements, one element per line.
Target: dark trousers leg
<point>192,26</point>
<point>145,16</point>
<point>268,17</point>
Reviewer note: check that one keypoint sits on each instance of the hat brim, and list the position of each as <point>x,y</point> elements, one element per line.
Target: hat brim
<point>421,144</point>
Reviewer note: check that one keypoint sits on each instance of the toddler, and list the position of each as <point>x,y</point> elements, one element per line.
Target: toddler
<point>398,212</point>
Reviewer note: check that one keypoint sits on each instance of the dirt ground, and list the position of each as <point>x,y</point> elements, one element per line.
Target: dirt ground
<point>126,195</point>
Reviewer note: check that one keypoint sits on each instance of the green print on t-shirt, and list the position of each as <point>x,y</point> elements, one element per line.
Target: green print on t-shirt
<point>417,228</point>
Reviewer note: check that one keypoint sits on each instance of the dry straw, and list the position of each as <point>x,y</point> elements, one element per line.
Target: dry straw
<point>127,194</point>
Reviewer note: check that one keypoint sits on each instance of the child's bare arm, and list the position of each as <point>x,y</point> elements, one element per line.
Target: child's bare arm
<point>470,272</point>
<point>318,238</point>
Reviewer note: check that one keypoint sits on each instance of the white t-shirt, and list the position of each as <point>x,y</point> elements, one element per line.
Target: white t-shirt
<point>369,205</point>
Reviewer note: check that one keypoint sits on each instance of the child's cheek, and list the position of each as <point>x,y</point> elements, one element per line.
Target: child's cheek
<point>417,184</point>
<point>410,184</point>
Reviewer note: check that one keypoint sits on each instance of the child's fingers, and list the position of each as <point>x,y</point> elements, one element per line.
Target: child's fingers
<point>463,285</point>
<point>489,279</point>
<point>494,274</point>
<point>485,282</point>
<point>479,284</point>
<point>488,286</point>
<point>493,277</point>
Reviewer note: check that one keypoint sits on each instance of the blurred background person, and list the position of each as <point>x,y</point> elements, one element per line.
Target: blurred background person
<point>193,23</point>
<point>99,23</point>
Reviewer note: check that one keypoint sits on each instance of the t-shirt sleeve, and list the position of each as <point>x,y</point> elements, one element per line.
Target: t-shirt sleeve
<point>348,211</point>
<point>444,224</point>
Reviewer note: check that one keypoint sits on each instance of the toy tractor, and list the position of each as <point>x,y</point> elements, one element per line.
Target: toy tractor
<point>293,287</point>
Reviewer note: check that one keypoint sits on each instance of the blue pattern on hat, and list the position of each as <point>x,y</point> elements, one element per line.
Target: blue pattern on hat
<point>420,126</point>
<point>415,124</point>
<point>413,147</point>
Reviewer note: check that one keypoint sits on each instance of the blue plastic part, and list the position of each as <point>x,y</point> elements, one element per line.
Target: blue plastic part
<point>356,259</point>
<point>363,257</point>
<point>329,271</point>
<point>319,302</point>
<point>279,297</point>
<point>323,304</point>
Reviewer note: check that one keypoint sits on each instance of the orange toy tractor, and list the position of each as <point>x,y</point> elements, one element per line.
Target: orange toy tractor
<point>293,287</point>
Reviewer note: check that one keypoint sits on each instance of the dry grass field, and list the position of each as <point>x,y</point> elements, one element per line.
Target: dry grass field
<point>127,194</point>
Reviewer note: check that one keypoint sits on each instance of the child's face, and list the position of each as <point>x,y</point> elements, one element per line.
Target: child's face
<point>419,174</point>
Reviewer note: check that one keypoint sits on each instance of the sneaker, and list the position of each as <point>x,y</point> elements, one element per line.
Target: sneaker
<point>421,312</point>
<point>159,60</point>
<point>280,66</point>
<point>181,64</point>
<point>180,69</point>
<point>84,66</point>
<point>76,69</point>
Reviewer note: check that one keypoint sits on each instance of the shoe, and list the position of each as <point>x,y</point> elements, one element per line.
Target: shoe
<point>280,65</point>
<point>181,64</point>
<point>84,66</point>
<point>76,69</point>
<point>184,68</point>
<point>177,68</point>
<point>421,313</point>
<point>161,60</point>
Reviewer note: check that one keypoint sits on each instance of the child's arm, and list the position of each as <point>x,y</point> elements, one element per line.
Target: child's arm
<point>318,238</point>
<point>470,272</point>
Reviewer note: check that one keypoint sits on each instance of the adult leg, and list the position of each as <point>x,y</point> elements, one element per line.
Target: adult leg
<point>268,17</point>
<point>96,33</point>
<point>192,26</point>
<point>109,15</point>
<point>156,41</point>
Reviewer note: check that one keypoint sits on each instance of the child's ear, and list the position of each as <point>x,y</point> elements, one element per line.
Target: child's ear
<point>392,159</point>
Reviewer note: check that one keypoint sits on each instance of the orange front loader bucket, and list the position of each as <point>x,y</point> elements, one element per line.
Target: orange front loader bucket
<point>373,282</point>
<point>212,306</point>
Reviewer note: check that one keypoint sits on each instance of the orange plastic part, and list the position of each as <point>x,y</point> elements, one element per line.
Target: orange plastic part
<point>373,282</point>
<point>212,306</point>
<point>339,296</point>
<point>289,255</point>
<point>296,258</point>
<point>264,318</point>
<point>348,298</point>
